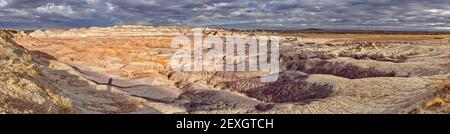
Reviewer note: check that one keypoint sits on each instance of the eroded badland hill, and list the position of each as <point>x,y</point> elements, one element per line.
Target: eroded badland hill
<point>124,69</point>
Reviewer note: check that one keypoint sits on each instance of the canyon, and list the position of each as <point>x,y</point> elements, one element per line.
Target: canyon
<point>125,69</point>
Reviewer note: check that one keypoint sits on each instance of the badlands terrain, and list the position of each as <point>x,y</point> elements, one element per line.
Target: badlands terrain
<point>124,69</point>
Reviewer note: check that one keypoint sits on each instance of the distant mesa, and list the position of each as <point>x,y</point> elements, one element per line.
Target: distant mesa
<point>132,31</point>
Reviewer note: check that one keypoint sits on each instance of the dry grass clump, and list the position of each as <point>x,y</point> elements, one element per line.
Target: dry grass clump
<point>59,104</point>
<point>441,98</point>
<point>435,101</point>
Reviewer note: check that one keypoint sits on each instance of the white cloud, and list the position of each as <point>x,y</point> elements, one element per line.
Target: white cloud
<point>110,6</point>
<point>442,28</point>
<point>52,8</point>
<point>3,3</point>
<point>202,17</point>
<point>432,10</point>
<point>93,1</point>
<point>439,11</point>
<point>222,4</point>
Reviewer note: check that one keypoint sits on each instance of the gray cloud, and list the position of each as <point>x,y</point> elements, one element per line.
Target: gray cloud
<point>269,14</point>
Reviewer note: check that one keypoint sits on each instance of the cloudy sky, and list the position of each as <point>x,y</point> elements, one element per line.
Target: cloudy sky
<point>267,14</point>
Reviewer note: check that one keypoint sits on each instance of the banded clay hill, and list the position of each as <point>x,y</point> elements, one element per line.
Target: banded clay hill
<point>68,71</point>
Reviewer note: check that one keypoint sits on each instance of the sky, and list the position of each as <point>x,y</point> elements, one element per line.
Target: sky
<point>241,14</point>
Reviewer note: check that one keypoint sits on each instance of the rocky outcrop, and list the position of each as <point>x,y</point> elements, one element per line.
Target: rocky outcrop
<point>24,88</point>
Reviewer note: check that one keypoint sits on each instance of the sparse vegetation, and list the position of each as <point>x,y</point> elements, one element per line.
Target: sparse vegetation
<point>126,106</point>
<point>22,87</point>
<point>436,101</point>
<point>440,99</point>
<point>62,104</point>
